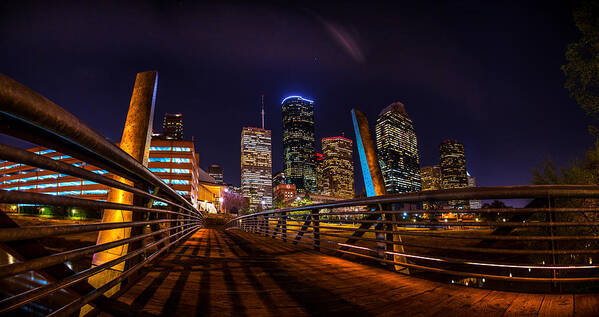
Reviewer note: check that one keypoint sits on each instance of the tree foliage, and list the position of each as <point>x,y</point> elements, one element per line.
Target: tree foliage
<point>583,171</point>
<point>582,67</point>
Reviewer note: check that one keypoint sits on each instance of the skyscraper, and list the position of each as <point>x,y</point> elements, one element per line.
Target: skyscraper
<point>298,143</point>
<point>431,177</point>
<point>338,166</point>
<point>256,167</point>
<point>322,183</point>
<point>431,180</point>
<point>216,171</point>
<point>397,150</point>
<point>172,126</point>
<point>453,167</point>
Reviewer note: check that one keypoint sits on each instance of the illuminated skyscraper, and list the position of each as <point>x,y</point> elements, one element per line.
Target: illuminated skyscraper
<point>216,171</point>
<point>256,167</point>
<point>431,180</point>
<point>322,183</point>
<point>453,167</point>
<point>172,126</point>
<point>431,177</point>
<point>338,166</point>
<point>397,150</point>
<point>298,143</point>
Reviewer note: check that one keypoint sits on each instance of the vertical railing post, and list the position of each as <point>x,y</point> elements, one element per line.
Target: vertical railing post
<point>316,228</point>
<point>284,225</point>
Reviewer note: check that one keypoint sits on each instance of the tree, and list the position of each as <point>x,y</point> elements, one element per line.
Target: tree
<point>582,67</point>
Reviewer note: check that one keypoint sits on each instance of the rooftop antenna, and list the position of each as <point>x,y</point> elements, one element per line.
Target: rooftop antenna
<point>262,100</point>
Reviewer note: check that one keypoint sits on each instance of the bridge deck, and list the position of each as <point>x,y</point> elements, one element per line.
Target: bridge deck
<point>220,272</point>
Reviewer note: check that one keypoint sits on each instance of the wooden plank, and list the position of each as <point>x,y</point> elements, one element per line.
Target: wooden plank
<point>494,304</point>
<point>525,305</point>
<point>557,305</point>
<point>586,305</point>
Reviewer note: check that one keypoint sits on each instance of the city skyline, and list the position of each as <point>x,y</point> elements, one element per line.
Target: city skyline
<point>485,81</point>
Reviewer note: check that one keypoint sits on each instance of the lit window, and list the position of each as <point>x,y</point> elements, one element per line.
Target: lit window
<point>180,171</point>
<point>64,157</point>
<point>181,160</point>
<point>159,159</point>
<point>100,172</point>
<point>159,170</point>
<point>159,203</point>
<point>69,192</point>
<point>89,183</point>
<point>48,176</point>
<point>12,181</point>
<point>179,181</point>
<point>160,148</point>
<point>77,164</point>
<point>11,188</point>
<point>182,192</point>
<point>63,184</point>
<point>46,185</point>
<point>181,149</point>
<point>26,187</point>
<point>95,192</point>
<point>28,179</point>
<point>44,152</point>
<point>166,180</point>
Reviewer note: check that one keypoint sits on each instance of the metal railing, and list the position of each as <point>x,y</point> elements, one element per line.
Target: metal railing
<point>551,241</point>
<point>26,115</point>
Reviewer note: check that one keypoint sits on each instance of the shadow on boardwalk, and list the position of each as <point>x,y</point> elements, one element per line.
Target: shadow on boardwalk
<point>232,273</point>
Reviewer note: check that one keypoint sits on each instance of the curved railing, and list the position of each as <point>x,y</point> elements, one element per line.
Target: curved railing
<point>26,115</point>
<point>549,243</point>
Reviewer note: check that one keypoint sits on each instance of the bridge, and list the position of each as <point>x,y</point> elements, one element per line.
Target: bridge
<point>381,255</point>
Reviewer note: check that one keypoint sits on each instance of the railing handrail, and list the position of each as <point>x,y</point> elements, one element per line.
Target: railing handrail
<point>22,103</point>
<point>468,193</point>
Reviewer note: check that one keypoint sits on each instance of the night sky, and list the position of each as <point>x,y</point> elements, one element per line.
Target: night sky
<point>485,74</point>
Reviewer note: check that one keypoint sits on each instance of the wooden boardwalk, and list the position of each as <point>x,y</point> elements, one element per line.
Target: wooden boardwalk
<point>233,273</point>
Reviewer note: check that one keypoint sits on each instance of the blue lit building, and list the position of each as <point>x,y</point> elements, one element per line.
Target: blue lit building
<point>298,143</point>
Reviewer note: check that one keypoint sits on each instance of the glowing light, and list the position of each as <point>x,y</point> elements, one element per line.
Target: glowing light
<point>297,97</point>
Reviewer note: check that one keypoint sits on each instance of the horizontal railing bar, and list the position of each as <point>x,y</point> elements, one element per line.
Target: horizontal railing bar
<point>499,192</point>
<point>35,232</point>
<point>466,224</point>
<point>452,235</point>
<point>17,155</point>
<point>21,197</point>
<point>479,275</point>
<point>61,257</point>
<point>74,306</point>
<point>464,249</point>
<point>18,300</point>
<point>437,211</point>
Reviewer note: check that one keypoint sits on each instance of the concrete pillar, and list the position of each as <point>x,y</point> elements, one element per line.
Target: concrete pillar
<point>136,142</point>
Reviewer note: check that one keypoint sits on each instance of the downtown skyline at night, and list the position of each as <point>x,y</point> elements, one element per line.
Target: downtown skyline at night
<point>301,158</point>
<point>502,94</point>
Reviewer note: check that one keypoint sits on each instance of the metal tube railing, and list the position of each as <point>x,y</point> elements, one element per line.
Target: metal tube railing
<point>29,116</point>
<point>468,249</point>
